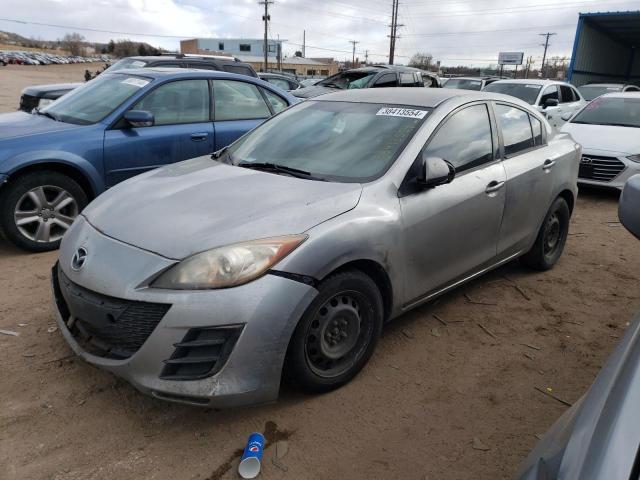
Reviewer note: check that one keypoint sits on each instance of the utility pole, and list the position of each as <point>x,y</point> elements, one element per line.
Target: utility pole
<point>545,45</point>
<point>266,17</point>
<point>366,57</point>
<point>304,43</point>
<point>353,58</point>
<point>394,30</point>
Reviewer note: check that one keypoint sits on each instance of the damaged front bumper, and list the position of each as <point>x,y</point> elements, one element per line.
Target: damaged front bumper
<point>217,348</point>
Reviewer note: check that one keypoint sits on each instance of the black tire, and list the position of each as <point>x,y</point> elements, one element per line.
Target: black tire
<point>313,360</point>
<point>15,199</point>
<point>551,238</point>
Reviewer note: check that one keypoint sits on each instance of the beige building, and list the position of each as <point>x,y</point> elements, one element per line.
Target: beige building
<point>252,51</point>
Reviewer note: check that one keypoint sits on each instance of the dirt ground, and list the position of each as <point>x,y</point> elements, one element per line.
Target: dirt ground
<point>436,402</point>
<point>13,78</point>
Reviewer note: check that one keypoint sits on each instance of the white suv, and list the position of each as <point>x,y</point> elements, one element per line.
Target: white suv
<point>555,100</point>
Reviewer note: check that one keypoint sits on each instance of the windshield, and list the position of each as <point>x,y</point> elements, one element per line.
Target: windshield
<point>95,100</point>
<point>340,141</point>
<point>526,92</point>
<point>615,111</point>
<point>126,63</point>
<point>463,84</point>
<point>589,92</point>
<point>348,80</point>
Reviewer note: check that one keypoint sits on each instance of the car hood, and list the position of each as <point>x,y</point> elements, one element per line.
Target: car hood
<point>193,206</point>
<point>312,91</point>
<point>19,124</point>
<point>624,140</point>
<point>37,90</point>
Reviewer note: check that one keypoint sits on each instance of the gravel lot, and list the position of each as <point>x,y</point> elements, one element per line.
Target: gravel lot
<point>436,401</point>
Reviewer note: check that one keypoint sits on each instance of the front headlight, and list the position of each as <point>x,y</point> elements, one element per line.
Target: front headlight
<point>228,266</point>
<point>634,158</point>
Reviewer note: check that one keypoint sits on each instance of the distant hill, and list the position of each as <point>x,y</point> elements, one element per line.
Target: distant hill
<point>118,48</point>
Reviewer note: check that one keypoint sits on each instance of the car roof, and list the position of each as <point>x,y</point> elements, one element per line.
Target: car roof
<point>532,81</point>
<point>419,97</point>
<point>177,72</point>
<point>621,95</point>
<point>605,85</point>
<point>471,78</point>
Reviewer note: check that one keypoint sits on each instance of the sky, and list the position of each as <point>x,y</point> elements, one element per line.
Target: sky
<point>456,32</point>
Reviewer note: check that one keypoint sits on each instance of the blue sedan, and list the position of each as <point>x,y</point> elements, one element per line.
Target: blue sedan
<point>55,160</point>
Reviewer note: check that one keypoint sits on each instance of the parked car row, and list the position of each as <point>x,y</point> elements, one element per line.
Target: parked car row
<point>41,58</point>
<point>41,95</point>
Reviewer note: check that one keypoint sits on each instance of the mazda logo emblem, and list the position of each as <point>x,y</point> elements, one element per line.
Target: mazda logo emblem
<point>586,160</point>
<point>79,259</point>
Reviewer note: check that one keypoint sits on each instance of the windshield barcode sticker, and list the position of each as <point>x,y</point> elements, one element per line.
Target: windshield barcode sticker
<point>402,112</point>
<point>136,82</point>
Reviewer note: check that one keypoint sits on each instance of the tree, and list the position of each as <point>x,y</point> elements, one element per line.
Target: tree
<point>142,50</point>
<point>298,53</point>
<point>125,48</point>
<point>73,43</point>
<point>424,61</point>
<point>111,47</point>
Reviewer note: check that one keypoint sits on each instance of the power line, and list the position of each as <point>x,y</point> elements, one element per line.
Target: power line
<point>473,32</point>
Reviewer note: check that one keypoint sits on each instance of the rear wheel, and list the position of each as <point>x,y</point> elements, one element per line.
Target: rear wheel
<point>38,208</point>
<point>551,238</point>
<point>337,334</point>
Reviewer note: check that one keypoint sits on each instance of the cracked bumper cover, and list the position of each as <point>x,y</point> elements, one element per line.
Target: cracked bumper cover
<point>269,309</point>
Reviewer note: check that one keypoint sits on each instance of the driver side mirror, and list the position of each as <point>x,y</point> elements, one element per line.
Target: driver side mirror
<point>435,171</point>
<point>139,118</point>
<point>567,116</point>
<point>629,208</point>
<point>551,102</point>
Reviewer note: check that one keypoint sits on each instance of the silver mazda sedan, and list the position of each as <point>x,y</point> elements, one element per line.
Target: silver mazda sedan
<point>207,281</point>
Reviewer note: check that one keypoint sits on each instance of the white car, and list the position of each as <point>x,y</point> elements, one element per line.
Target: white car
<point>609,130</point>
<point>594,90</point>
<point>552,98</point>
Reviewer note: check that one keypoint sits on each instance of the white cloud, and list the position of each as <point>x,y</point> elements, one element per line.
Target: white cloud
<point>513,24</point>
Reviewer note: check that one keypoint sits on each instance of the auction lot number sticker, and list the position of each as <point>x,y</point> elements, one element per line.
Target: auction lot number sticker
<point>402,112</point>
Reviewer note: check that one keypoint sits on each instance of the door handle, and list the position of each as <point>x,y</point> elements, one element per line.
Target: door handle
<point>548,164</point>
<point>494,187</point>
<point>199,137</point>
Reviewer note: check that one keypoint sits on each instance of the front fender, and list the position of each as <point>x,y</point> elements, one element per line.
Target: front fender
<point>369,232</point>
<point>36,157</point>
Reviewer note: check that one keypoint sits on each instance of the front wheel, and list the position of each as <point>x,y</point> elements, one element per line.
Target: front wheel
<point>551,238</point>
<point>337,334</point>
<point>37,209</point>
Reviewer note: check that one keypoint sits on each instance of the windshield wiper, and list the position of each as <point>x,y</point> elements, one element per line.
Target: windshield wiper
<point>275,168</point>
<point>619,125</point>
<point>46,114</point>
<point>331,84</point>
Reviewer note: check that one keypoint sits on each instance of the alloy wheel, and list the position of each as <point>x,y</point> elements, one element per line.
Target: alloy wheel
<point>45,213</point>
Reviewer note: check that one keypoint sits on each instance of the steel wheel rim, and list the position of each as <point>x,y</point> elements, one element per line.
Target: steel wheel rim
<point>45,213</point>
<point>338,334</point>
<point>552,235</point>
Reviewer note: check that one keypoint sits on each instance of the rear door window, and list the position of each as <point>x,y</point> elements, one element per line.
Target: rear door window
<point>536,126</point>
<point>279,82</point>
<point>277,103</point>
<point>387,80</point>
<point>567,94</point>
<point>184,101</point>
<point>516,129</point>
<point>241,69</point>
<point>236,100</point>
